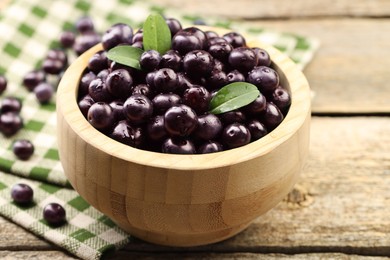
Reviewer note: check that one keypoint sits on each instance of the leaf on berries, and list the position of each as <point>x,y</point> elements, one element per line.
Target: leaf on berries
<point>126,55</point>
<point>156,34</point>
<point>233,96</point>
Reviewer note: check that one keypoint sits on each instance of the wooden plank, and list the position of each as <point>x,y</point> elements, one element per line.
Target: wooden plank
<point>349,73</point>
<point>42,255</point>
<point>254,9</point>
<point>341,204</point>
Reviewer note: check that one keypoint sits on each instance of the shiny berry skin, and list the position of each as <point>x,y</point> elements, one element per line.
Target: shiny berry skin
<point>216,40</point>
<point>230,117</point>
<point>119,33</point>
<point>124,133</point>
<point>142,89</point>
<point>198,98</point>
<point>138,109</point>
<point>22,194</point>
<point>10,123</point>
<point>56,54</point>
<point>235,135</point>
<point>85,103</point>
<point>180,120</point>
<point>172,60</point>
<point>138,36</point>
<point>209,127</point>
<point>165,80</point>
<point>281,98</point>
<point>67,39</point>
<point>23,149</point>
<point>265,78</point>
<point>211,34</point>
<point>98,90</point>
<point>10,104</point>
<point>257,129</point>
<point>150,60</point>
<point>52,66</point>
<point>235,76</point>
<point>199,34</point>
<point>210,147</point>
<point>243,59</point>
<point>198,63</point>
<point>117,109</point>
<point>183,82</point>
<point>221,51</point>
<point>235,39</point>
<point>85,41</point>
<point>98,62</point>
<point>216,80</point>
<point>257,106</point>
<point>54,214</point>
<point>184,42</point>
<point>162,102</point>
<point>3,84</point>
<point>263,58</point>
<point>85,25</point>
<point>177,145</point>
<point>85,81</point>
<point>174,25</point>
<point>272,116</point>
<point>100,116</point>
<point>119,83</point>
<point>33,78</point>
<point>44,92</point>
<point>156,128</point>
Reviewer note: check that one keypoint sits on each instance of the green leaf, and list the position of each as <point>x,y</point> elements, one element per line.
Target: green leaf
<point>233,96</point>
<point>126,55</point>
<point>156,34</point>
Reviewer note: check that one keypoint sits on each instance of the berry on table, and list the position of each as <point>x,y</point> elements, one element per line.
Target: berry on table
<point>54,214</point>
<point>23,149</point>
<point>22,194</point>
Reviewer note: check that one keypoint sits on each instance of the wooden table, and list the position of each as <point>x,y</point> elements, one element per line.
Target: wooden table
<point>341,206</point>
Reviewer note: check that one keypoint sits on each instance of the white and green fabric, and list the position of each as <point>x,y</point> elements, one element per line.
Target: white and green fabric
<point>29,28</point>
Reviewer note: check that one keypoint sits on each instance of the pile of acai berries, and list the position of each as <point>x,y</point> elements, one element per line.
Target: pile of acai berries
<point>164,105</point>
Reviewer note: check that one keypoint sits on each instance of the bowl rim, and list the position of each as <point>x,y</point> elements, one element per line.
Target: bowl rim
<point>67,106</point>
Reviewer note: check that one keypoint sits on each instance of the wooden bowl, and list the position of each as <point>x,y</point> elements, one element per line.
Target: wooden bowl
<point>183,200</point>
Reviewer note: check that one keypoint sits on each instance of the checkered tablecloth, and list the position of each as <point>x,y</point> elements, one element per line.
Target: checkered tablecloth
<point>28,29</point>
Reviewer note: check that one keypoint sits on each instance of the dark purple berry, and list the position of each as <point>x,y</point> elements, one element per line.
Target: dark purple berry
<point>265,78</point>
<point>119,83</point>
<point>180,120</point>
<point>198,98</point>
<point>184,42</point>
<point>44,92</point>
<point>210,147</point>
<point>199,34</point>
<point>165,80</point>
<point>162,102</point>
<point>177,145</point>
<point>138,36</point>
<point>85,103</point>
<point>138,109</point>
<point>230,117</point>
<point>85,81</point>
<point>56,54</point>
<point>174,25</point>
<point>116,66</point>
<point>117,109</point>
<point>10,123</point>
<point>216,80</point>
<point>103,74</point>
<point>235,135</point>
<point>183,83</point>
<point>271,117</point>
<point>52,66</point>
<point>98,90</point>
<point>3,84</point>
<point>124,133</point>
<point>150,60</point>
<point>172,60</point>
<point>235,76</point>
<point>211,34</point>
<point>281,98</point>
<point>54,214</point>
<point>243,59</point>
<point>263,58</point>
<point>100,116</point>
<point>221,51</point>
<point>23,149</point>
<point>10,104</point>
<point>85,25</point>
<point>67,39</point>
<point>98,62</point>
<point>198,63</point>
<point>119,33</point>
<point>156,128</point>
<point>142,89</point>
<point>209,127</point>
<point>217,40</point>
<point>257,129</point>
<point>235,39</point>
<point>85,41</point>
<point>33,78</point>
<point>22,194</point>
<point>257,106</point>
<point>149,79</point>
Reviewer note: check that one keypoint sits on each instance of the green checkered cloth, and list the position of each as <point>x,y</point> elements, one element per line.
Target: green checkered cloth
<point>29,28</point>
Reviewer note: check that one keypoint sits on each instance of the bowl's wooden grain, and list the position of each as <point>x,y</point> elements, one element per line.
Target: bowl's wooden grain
<point>183,200</point>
